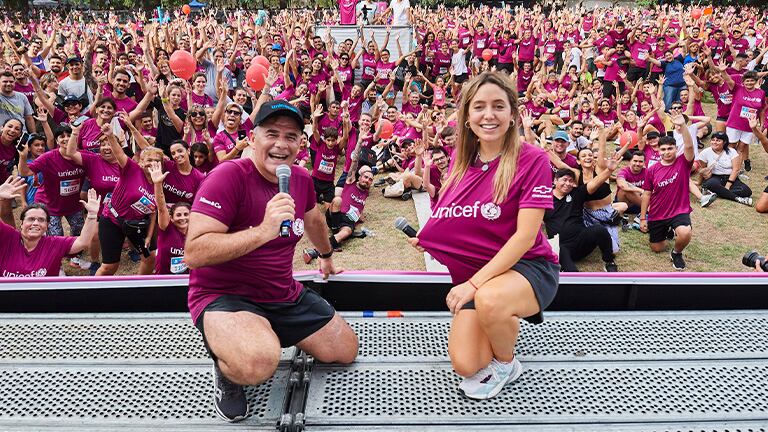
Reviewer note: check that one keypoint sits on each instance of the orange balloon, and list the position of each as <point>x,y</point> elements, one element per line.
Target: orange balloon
<point>186,9</point>
<point>183,65</point>
<point>386,129</point>
<point>256,76</point>
<point>708,10</point>
<point>628,137</point>
<point>487,54</point>
<point>599,64</point>
<point>261,60</point>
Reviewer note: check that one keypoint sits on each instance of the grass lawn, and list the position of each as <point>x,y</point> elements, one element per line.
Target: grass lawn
<point>722,233</point>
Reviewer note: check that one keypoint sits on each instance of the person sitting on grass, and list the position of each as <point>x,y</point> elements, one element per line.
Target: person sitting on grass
<point>720,171</point>
<point>346,211</point>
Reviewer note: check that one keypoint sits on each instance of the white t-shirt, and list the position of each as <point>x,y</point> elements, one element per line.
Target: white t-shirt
<point>693,130</point>
<point>723,163</point>
<point>459,62</point>
<point>575,57</point>
<point>400,12</point>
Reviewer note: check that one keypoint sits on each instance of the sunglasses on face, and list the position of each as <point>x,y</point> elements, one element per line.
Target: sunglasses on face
<point>197,114</point>
<point>233,112</point>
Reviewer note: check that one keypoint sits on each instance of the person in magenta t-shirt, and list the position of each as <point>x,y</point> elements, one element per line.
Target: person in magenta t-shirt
<point>347,9</point>
<point>748,103</point>
<point>665,205</point>
<point>242,294</point>
<point>29,252</point>
<point>183,180</point>
<point>128,213</point>
<point>172,227</point>
<point>486,228</point>
<point>630,180</point>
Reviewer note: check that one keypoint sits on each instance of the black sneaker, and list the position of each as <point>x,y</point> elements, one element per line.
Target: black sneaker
<point>309,255</point>
<point>406,196</point>
<point>678,263</point>
<point>747,165</point>
<point>611,267</point>
<point>228,398</point>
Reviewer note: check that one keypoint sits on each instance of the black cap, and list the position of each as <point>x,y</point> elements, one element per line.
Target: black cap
<point>74,59</point>
<point>652,134</point>
<point>70,99</point>
<point>279,107</point>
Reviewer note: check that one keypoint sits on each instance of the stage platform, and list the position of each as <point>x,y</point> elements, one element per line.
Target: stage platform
<point>591,371</point>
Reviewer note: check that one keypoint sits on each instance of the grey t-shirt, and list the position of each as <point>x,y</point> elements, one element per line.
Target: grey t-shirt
<point>15,106</point>
<point>68,86</point>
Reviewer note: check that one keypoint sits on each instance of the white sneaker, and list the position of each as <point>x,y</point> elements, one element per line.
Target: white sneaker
<point>489,381</point>
<point>84,263</point>
<point>708,199</point>
<point>745,200</point>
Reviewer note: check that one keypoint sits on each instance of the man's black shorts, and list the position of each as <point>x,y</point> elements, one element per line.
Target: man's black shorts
<point>291,322</point>
<point>657,230</point>
<point>347,222</point>
<point>324,190</point>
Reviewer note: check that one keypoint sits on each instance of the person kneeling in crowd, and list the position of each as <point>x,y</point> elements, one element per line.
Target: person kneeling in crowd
<point>346,211</point>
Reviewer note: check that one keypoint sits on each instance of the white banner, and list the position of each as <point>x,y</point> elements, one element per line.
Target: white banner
<point>342,32</point>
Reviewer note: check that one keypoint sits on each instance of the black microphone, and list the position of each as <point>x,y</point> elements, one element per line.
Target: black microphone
<point>283,185</point>
<point>402,225</point>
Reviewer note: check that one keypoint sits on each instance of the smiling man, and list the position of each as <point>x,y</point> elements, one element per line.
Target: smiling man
<point>242,295</point>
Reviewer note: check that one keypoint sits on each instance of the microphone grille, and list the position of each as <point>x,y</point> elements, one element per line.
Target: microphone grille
<point>283,171</point>
<point>401,223</point>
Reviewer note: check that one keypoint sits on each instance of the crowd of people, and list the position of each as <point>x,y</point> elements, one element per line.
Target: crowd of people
<point>94,105</point>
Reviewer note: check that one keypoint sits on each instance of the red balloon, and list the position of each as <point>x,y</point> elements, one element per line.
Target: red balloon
<point>261,60</point>
<point>183,65</point>
<point>696,13</point>
<point>487,54</point>
<point>186,9</point>
<point>628,137</point>
<point>256,76</point>
<point>386,129</point>
<point>599,64</point>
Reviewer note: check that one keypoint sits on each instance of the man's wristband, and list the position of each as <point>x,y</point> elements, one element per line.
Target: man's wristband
<point>326,255</point>
<point>643,218</point>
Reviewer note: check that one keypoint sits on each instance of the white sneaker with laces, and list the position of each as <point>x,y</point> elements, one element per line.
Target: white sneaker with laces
<point>745,200</point>
<point>489,381</point>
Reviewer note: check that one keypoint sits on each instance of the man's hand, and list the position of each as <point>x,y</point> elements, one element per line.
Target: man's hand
<point>280,208</point>
<point>327,268</point>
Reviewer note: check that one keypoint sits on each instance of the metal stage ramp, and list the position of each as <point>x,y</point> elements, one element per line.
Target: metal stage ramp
<point>627,371</point>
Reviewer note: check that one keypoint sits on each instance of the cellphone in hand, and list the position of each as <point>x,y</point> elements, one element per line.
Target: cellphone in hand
<point>241,134</point>
<point>22,142</point>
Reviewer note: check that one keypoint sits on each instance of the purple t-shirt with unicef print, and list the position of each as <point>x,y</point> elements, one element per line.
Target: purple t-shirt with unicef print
<point>43,260</point>
<point>746,105</point>
<point>89,136</point>
<point>102,175</point>
<point>236,194</point>
<point>170,251</point>
<point>669,189</point>
<point>178,187</point>
<point>63,181</point>
<point>467,229</point>
<point>134,196</point>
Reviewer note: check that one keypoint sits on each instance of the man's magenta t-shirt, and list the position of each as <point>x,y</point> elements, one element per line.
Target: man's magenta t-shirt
<point>669,189</point>
<point>467,229</point>
<point>236,194</point>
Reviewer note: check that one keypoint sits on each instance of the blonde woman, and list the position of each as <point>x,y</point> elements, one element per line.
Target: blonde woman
<point>486,228</point>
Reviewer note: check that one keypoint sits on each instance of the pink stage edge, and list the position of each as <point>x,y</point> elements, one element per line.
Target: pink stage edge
<point>595,275</point>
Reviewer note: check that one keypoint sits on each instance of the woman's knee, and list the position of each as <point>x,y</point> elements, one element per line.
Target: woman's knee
<point>465,363</point>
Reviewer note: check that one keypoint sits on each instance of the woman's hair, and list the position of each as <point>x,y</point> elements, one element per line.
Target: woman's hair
<point>13,119</point>
<point>467,144</point>
<point>152,151</point>
<point>180,142</point>
<point>447,131</point>
<point>198,75</point>
<point>750,75</point>
<point>180,204</point>
<point>61,130</point>
<point>33,206</point>
<point>199,147</point>
<point>722,136</point>
<point>105,100</point>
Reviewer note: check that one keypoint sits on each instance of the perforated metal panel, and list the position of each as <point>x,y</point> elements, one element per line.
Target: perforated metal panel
<point>547,392</point>
<point>134,395</point>
<point>567,337</point>
<point>83,339</point>
<point>624,427</point>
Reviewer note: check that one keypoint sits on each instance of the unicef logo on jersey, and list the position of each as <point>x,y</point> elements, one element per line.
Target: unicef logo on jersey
<point>298,227</point>
<point>490,211</point>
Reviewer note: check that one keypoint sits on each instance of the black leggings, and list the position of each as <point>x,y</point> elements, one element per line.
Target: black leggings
<point>738,189</point>
<point>583,244</point>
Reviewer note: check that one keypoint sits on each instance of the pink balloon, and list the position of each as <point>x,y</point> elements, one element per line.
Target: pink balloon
<point>386,129</point>
<point>628,137</point>
<point>261,60</point>
<point>256,76</point>
<point>183,65</point>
